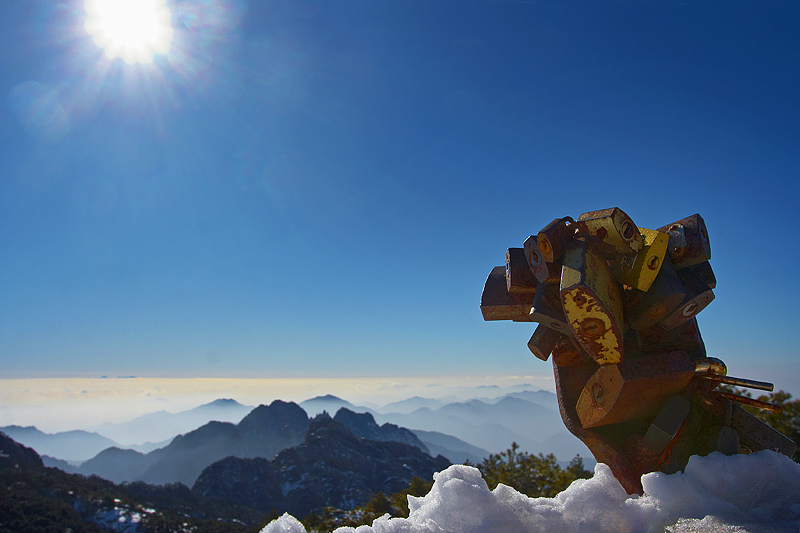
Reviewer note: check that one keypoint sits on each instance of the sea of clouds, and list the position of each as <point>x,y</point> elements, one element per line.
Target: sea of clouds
<point>757,493</point>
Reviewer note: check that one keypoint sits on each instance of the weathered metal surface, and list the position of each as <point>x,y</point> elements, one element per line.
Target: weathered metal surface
<point>554,237</point>
<point>757,435</point>
<point>667,423</point>
<point>646,309</point>
<point>617,312</point>
<point>752,402</point>
<point>519,277</point>
<point>706,273</point>
<point>592,303</point>
<point>543,341</point>
<point>644,266</point>
<point>688,241</point>
<point>499,304</point>
<point>543,271</point>
<point>698,296</point>
<point>634,388</point>
<point>611,229</point>
<point>546,308</point>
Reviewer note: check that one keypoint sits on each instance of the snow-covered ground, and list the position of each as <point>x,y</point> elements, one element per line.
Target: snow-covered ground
<point>758,493</point>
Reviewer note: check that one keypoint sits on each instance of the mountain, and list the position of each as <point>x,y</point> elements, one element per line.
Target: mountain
<point>331,467</point>
<point>456,450</point>
<point>162,425</point>
<point>330,404</point>
<point>522,417</point>
<point>264,432</point>
<point>411,404</point>
<point>70,446</point>
<point>363,425</point>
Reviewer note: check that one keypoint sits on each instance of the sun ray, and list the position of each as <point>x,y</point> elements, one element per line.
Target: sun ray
<point>134,30</point>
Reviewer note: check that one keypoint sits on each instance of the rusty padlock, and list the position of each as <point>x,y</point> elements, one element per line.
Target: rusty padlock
<point>634,388</point>
<point>543,271</point>
<point>543,341</point>
<point>698,296</point>
<point>688,241</point>
<point>592,304</point>
<point>612,230</point>
<point>546,308</point>
<point>519,277</point>
<point>706,273</point>
<point>499,304</point>
<point>646,309</point>
<point>554,237</point>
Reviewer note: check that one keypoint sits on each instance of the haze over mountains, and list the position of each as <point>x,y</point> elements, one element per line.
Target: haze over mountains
<point>460,431</point>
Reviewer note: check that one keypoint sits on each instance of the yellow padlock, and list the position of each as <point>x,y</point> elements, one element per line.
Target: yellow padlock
<point>612,230</point>
<point>647,263</point>
<point>591,300</point>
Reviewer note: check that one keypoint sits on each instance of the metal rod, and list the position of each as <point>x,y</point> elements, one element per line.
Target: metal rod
<point>752,402</point>
<point>742,382</point>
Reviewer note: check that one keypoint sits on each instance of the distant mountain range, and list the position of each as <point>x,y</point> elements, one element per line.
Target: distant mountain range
<point>460,431</point>
<point>162,426</point>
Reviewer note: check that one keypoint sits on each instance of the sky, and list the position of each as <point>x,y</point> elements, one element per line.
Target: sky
<point>319,189</point>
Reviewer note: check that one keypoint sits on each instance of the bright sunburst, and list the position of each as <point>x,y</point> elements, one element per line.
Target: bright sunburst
<point>134,30</point>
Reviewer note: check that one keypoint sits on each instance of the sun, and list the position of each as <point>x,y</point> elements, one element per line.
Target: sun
<point>134,30</point>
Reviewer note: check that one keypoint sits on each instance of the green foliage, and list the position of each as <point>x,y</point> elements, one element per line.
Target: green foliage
<point>532,475</point>
<point>418,487</point>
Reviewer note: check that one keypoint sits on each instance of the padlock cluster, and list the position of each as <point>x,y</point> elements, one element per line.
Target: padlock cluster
<point>603,284</point>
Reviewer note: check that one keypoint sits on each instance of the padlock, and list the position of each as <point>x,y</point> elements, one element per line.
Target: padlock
<point>612,230</point>
<point>698,296</point>
<point>685,337</point>
<point>666,425</point>
<point>546,308</point>
<point>757,435</point>
<point>645,309</point>
<point>591,300</point>
<point>633,389</point>
<point>644,266</point>
<point>688,241</point>
<point>543,341</point>
<point>706,273</point>
<point>567,353</point>
<point>499,304</point>
<point>554,237</point>
<point>519,277</point>
<point>543,271</point>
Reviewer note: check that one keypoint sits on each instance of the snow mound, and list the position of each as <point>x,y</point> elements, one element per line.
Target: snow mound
<point>757,493</point>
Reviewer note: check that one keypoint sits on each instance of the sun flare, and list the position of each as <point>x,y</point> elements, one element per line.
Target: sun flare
<point>134,30</point>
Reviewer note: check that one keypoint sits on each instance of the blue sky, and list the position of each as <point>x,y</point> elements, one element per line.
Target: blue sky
<point>320,188</point>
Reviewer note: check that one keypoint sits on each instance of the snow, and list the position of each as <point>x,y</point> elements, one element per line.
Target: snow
<point>757,493</point>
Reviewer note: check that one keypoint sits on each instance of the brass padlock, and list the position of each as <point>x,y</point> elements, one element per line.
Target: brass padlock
<point>543,271</point>
<point>554,237</point>
<point>546,308</point>
<point>612,230</point>
<point>499,304</point>
<point>698,296</point>
<point>645,265</point>
<point>688,241</point>
<point>646,309</point>
<point>633,389</point>
<point>519,277</point>
<point>592,304</point>
<point>543,341</point>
